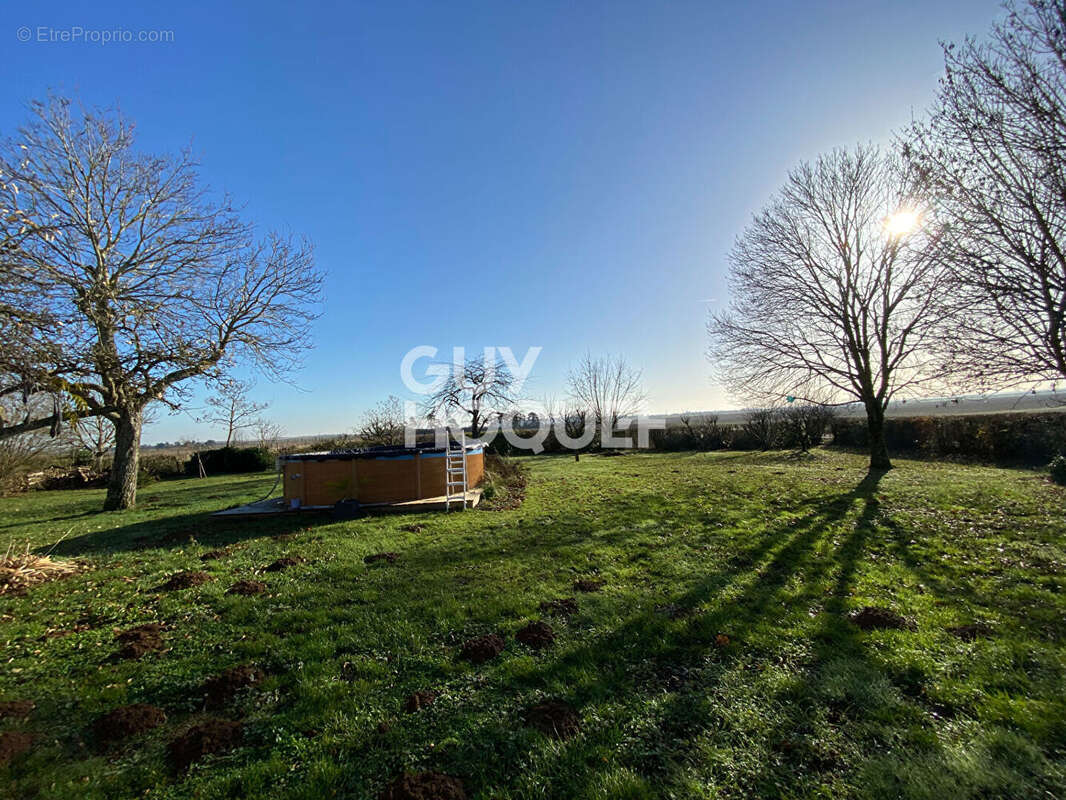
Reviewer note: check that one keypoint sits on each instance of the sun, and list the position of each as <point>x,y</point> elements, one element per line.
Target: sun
<point>902,222</point>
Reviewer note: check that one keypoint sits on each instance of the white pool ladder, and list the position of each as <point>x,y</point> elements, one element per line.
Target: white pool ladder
<point>454,470</point>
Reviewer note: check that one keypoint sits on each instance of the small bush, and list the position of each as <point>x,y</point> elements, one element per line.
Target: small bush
<point>1057,468</point>
<point>504,484</point>
<point>764,427</point>
<point>804,425</point>
<point>155,467</point>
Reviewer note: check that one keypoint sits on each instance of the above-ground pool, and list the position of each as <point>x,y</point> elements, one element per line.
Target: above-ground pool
<point>373,475</point>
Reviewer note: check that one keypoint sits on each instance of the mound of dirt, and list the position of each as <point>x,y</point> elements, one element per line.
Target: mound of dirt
<point>247,588</point>
<point>222,688</point>
<point>207,738</point>
<point>588,585</point>
<point>424,786</point>
<point>871,618</point>
<point>419,700</point>
<point>376,557</point>
<point>968,633</point>
<point>16,709</point>
<point>13,744</point>
<point>482,648</point>
<point>536,635</point>
<point>185,580</point>
<point>554,718</point>
<point>284,563</point>
<point>141,640</point>
<point>212,555</point>
<point>126,721</point>
<point>560,607</point>
<point>413,528</point>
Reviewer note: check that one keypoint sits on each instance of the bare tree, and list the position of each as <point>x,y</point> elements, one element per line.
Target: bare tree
<point>837,287</point>
<point>994,154</point>
<point>703,430</point>
<point>231,408</point>
<point>764,427</point>
<point>607,387</point>
<point>805,424</point>
<point>21,453</point>
<point>140,281</point>
<point>575,422</point>
<point>384,423</point>
<point>479,388</point>
<point>267,433</point>
<point>97,435</point>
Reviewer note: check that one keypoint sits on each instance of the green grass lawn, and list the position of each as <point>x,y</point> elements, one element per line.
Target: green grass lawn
<point>717,660</point>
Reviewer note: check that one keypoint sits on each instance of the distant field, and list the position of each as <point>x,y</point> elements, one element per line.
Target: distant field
<point>714,657</point>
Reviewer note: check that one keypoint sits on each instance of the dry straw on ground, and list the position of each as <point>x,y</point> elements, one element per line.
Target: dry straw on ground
<point>20,569</point>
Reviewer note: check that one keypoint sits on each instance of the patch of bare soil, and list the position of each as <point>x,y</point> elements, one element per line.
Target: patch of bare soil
<point>126,721</point>
<point>588,585</point>
<point>424,786</point>
<point>247,588</point>
<point>413,528</point>
<point>560,607</point>
<point>222,688</point>
<point>419,700</point>
<point>871,618</point>
<point>185,580</point>
<point>374,558</point>
<point>972,631</point>
<point>554,718</point>
<point>178,537</point>
<point>16,709</point>
<point>207,738</point>
<point>672,677</point>
<point>284,563</point>
<point>537,635</point>
<point>482,648</point>
<point>674,611</point>
<point>13,744</point>
<point>213,555</point>
<point>140,640</point>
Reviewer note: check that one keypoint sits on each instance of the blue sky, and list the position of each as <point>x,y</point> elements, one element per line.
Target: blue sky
<point>569,176</point>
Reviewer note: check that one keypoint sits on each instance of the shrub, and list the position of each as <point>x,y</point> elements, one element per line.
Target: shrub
<point>153,467</point>
<point>804,425</point>
<point>695,433</point>
<point>231,459</point>
<point>1057,468</point>
<point>504,485</point>
<point>763,427</point>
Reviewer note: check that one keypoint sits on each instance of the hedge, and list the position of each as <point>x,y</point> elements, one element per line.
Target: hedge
<point>231,459</point>
<point>1021,438</point>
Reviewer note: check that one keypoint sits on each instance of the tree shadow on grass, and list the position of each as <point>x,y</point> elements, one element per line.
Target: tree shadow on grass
<point>177,531</point>
<point>646,656</point>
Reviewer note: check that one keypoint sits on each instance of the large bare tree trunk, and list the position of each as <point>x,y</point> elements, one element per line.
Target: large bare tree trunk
<point>875,421</point>
<point>122,487</point>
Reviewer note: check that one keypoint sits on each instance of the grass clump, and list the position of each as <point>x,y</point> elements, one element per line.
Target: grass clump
<point>1057,468</point>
